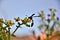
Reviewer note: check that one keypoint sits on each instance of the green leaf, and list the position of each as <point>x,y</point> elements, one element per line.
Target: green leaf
<point>4,36</point>
<point>0,38</point>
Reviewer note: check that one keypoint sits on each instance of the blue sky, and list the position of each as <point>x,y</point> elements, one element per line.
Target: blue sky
<point>14,8</point>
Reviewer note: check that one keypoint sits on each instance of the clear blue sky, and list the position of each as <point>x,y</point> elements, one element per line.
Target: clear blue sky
<point>14,8</point>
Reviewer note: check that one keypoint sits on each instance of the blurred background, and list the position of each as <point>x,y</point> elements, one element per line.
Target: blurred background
<point>20,8</point>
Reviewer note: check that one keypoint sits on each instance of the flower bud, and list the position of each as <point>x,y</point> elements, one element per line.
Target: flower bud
<point>9,23</point>
<point>17,19</point>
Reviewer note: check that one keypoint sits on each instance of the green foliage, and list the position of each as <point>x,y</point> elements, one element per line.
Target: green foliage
<point>5,26</point>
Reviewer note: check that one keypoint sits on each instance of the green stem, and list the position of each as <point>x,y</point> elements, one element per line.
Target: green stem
<point>15,30</point>
<point>8,33</point>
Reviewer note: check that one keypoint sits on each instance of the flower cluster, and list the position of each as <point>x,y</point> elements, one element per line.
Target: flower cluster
<point>25,20</point>
<point>9,22</point>
<point>50,22</point>
<point>5,26</point>
<point>52,9</point>
<point>42,14</point>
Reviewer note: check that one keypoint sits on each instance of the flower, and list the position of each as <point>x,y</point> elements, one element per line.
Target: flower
<point>42,14</point>
<point>52,9</point>
<point>26,20</point>
<point>53,16</point>
<point>29,20</point>
<point>9,23</point>
<point>17,19</point>
<point>1,20</point>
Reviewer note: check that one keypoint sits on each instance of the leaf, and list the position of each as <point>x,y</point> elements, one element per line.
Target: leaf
<point>0,38</point>
<point>0,29</point>
<point>4,36</point>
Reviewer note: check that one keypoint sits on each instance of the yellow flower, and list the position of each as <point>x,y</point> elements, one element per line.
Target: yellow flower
<point>9,23</point>
<point>1,20</point>
<point>17,19</point>
<point>53,16</point>
<point>27,20</point>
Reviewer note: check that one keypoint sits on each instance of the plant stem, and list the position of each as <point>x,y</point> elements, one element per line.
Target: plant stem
<point>15,30</point>
<point>8,33</point>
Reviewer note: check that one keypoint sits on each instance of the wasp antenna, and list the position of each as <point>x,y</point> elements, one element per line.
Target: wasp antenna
<point>33,14</point>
